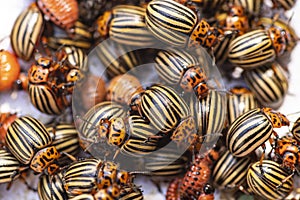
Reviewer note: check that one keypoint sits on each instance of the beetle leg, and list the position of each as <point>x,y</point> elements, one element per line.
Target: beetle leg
<point>262,158</point>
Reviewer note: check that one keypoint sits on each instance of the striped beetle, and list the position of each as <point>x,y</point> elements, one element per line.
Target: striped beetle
<point>87,126</point>
<point>162,107</point>
<point>125,24</point>
<point>129,193</point>
<point>51,187</point>
<point>26,31</point>
<point>209,114</point>
<point>180,67</point>
<point>296,129</point>
<point>240,101</point>
<point>41,89</point>
<point>62,13</point>
<point>128,135</point>
<point>176,24</point>
<point>30,142</point>
<point>81,37</point>
<point>258,47</point>
<point>9,70</point>
<point>285,4</point>
<point>65,139</point>
<point>269,180</point>
<point>90,175</point>
<point>269,84</point>
<point>252,129</point>
<point>117,58</point>
<point>10,167</point>
<point>230,172</point>
<point>159,105</point>
<point>289,33</point>
<point>51,80</point>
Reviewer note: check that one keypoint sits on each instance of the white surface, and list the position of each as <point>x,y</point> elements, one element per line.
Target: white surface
<point>10,9</point>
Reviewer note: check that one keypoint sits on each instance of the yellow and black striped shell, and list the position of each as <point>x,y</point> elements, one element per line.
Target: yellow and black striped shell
<point>9,167</point>
<point>26,31</point>
<point>264,180</point>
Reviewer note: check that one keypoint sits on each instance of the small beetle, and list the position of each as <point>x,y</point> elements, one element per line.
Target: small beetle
<point>252,129</point>
<point>269,84</point>
<point>121,88</point>
<point>271,182</point>
<point>62,13</point>
<point>117,58</point>
<point>257,47</point>
<point>180,67</point>
<point>26,31</point>
<point>239,101</point>
<point>9,70</point>
<point>81,37</point>
<point>296,129</point>
<point>176,24</point>
<point>40,87</point>
<point>89,175</point>
<point>51,187</point>
<point>285,4</point>
<point>129,193</point>
<point>230,172</point>
<point>287,153</point>
<point>65,139</point>
<point>30,142</point>
<point>130,134</point>
<point>10,167</point>
<point>88,127</point>
<point>125,24</point>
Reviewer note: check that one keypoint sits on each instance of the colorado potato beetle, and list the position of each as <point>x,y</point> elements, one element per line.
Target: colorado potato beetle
<point>252,129</point>
<point>268,180</point>
<point>287,153</point>
<point>116,58</point>
<point>90,175</point>
<point>239,101</point>
<point>30,142</point>
<point>285,4</point>
<point>62,13</point>
<point>51,187</point>
<point>10,167</point>
<point>268,83</point>
<point>296,129</point>
<point>9,70</point>
<point>257,47</point>
<point>131,135</point>
<point>179,67</point>
<point>26,32</point>
<point>41,89</point>
<point>125,24</point>
<point>176,24</point>
<point>230,172</point>
<point>88,124</point>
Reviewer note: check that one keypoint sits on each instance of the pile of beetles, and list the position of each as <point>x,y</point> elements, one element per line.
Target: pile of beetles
<point>181,91</point>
